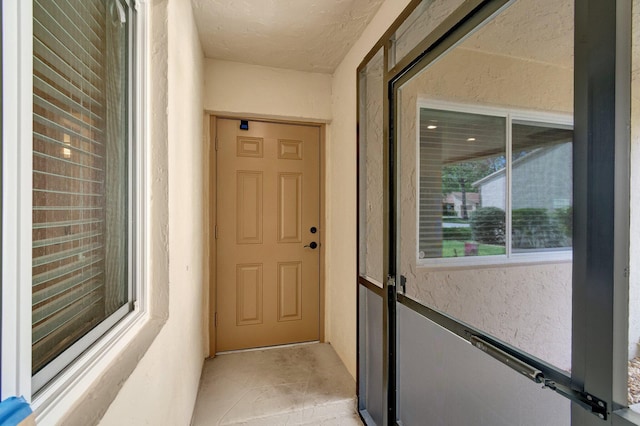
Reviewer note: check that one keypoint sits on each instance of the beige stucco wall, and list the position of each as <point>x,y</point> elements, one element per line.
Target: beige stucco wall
<point>163,387</point>
<point>371,170</point>
<point>258,91</point>
<point>341,189</point>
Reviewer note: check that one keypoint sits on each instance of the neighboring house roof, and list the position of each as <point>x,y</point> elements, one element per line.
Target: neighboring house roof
<point>529,157</point>
<point>472,197</point>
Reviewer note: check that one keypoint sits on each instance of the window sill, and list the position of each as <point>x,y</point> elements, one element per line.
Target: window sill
<point>82,393</point>
<point>541,258</point>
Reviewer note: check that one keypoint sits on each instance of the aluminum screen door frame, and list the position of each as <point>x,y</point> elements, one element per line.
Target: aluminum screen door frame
<point>602,116</point>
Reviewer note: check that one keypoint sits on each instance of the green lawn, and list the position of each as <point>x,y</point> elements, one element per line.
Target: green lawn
<point>454,219</point>
<point>456,248</point>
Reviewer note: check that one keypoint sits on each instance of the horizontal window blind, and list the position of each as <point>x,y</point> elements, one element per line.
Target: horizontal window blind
<point>456,151</point>
<point>79,151</point>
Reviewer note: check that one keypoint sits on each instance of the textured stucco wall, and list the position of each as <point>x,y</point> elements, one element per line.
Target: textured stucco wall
<point>163,387</point>
<point>310,35</point>
<point>424,19</point>
<point>372,186</point>
<point>232,87</point>
<point>341,189</point>
<point>528,306</point>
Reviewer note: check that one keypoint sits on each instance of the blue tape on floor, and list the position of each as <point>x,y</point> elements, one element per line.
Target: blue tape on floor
<point>13,411</point>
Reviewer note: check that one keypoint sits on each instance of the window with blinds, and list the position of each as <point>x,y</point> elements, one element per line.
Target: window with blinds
<point>81,176</point>
<point>476,200</point>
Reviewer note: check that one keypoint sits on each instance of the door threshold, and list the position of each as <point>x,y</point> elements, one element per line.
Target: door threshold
<point>266,348</point>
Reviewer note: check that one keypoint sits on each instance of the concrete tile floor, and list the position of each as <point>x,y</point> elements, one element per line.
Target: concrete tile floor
<point>295,385</point>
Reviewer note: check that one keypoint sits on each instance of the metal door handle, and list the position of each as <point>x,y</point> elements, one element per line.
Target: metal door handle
<point>312,245</point>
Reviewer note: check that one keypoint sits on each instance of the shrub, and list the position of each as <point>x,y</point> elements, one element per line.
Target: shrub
<point>456,234</point>
<point>534,228</point>
<point>564,218</point>
<point>488,225</point>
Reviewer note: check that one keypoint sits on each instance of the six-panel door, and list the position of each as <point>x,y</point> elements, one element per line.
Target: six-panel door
<point>267,212</point>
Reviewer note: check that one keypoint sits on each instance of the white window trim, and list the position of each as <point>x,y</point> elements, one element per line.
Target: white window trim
<point>129,338</point>
<point>510,115</point>
<point>16,193</point>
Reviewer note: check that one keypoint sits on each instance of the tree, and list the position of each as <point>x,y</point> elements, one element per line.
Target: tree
<point>459,177</point>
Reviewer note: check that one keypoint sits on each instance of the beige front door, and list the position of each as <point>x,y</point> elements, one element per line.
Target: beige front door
<point>268,217</point>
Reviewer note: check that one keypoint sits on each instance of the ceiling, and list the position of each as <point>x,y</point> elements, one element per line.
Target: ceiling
<point>532,30</point>
<point>305,35</point>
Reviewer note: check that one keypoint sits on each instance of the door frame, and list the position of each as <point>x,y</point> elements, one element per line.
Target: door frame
<point>209,299</point>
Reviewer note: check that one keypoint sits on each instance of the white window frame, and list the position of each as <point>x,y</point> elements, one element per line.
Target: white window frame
<point>510,115</point>
<point>55,400</point>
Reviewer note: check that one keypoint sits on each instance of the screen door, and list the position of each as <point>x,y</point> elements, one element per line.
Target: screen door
<point>508,221</point>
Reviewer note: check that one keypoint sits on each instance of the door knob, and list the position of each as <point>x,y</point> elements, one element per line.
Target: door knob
<point>312,245</point>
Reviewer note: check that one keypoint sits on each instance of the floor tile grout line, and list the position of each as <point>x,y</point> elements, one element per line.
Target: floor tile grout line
<point>232,407</point>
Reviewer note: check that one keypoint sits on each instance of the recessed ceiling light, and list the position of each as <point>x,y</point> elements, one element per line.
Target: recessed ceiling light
<point>431,127</point>
<point>471,139</point>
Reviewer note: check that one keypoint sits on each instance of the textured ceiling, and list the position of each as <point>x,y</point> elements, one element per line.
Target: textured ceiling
<point>534,30</point>
<point>306,35</point>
